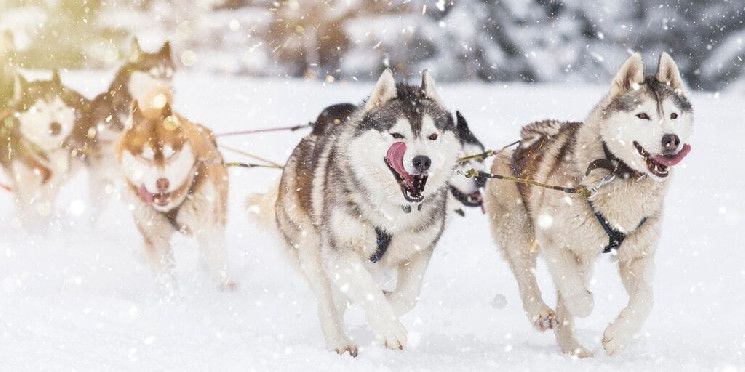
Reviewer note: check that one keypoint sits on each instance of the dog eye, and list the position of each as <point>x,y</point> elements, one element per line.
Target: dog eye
<point>397,135</point>
<point>643,116</point>
<point>674,115</point>
<point>432,137</point>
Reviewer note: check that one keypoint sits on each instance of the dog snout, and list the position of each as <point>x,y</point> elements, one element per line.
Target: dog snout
<point>162,184</point>
<point>480,182</point>
<point>55,128</point>
<point>421,163</point>
<point>670,143</point>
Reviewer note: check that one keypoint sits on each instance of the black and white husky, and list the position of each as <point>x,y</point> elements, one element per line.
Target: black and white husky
<point>146,78</point>
<point>369,195</point>
<point>465,192</point>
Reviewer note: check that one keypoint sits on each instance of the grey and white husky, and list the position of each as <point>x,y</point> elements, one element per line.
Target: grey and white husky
<point>626,149</point>
<point>465,192</point>
<point>366,196</point>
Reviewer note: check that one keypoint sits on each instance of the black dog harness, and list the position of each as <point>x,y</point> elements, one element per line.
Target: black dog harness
<point>615,236</point>
<point>620,169</point>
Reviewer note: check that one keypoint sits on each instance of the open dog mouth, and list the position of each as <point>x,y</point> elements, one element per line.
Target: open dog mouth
<point>659,165</point>
<point>412,185</point>
<point>160,199</point>
<point>473,200</point>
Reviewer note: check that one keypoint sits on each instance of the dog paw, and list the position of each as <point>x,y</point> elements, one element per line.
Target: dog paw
<point>229,285</point>
<point>580,305</point>
<point>581,353</point>
<point>394,336</point>
<point>544,319</point>
<point>614,340</point>
<point>349,348</point>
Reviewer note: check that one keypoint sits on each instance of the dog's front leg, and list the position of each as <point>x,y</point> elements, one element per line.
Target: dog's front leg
<point>569,276</point>
<point>409,282</point>
<point>211,242</point>
<point>636,275</point>
<point>349,274</point>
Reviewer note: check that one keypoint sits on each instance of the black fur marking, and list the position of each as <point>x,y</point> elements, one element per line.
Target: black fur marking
<point>331,116</point>
<point>410,103</point>
<point>656,90</point>
<point>383,240</point>
<point>464,133</point>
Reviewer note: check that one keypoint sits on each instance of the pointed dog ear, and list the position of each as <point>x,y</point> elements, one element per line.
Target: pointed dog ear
<point>429,88</point>
<point>629,76</point>
<point>56,80</point>
<point>384,91</point>
<point>166,111</point>
<point>7,45</point>
<point>165,50</point>
<point>135,52</point>
<point>668,73</point>
<point>19,85</point>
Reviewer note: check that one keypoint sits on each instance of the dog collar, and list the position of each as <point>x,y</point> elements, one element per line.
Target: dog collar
<point>613,164</point>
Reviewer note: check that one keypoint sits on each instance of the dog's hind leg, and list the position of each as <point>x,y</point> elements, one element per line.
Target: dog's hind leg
<point>352,278</point>
<point>329,305</point>
<point>512,230</point>
<point>636,275</point>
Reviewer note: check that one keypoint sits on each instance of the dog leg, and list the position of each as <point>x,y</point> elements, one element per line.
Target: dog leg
<point>409,283</point>
<point>157,239</point>
<point>331,319</point>
<point>212,244</point>
<point>637,279</point>
<point>569,277</point>
<point>352,278</point>
<point>100,189</point>
<point>564,331</point>
<point>521,256</point>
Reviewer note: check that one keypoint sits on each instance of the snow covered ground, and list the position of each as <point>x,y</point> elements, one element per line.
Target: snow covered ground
<point>82,298</point>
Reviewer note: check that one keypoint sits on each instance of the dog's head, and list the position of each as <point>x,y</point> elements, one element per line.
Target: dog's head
<point>150,76</point>
<point>647,122</point>
<point>157,158</point>
<point>467,191</point>
<point>404,143</point>
<point>46,111</point>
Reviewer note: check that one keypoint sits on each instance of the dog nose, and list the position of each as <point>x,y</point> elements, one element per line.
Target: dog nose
<point>55,128</point>
<point>670,142</point>
<point>162,184</point>
<point>421,163</point>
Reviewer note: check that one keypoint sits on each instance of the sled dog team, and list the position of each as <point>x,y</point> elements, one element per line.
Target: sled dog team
<point>371,187</point>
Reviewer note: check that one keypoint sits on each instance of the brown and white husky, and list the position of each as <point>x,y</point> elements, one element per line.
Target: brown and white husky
<point>146,78</point>
<point>633,138</point>
<point>38,143</point>
<point>177,182</point>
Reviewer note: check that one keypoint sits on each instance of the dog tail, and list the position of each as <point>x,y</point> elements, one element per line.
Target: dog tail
<point>260,208</point>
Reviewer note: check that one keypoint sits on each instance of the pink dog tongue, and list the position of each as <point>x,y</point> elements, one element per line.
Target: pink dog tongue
<point>145,195</point>
<point>395,158</point>
<point>675,159</point>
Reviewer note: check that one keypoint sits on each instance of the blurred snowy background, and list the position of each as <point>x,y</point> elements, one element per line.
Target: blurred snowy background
<point>464,40</point>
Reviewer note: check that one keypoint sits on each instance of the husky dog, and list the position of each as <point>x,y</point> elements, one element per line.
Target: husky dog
<point>146,78</point>
<point>38,144</point>
<point>464,191</point>
<point>8,72</point>
<point>178,183</point>
<point>625,150</point>
<point>369,195</point>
